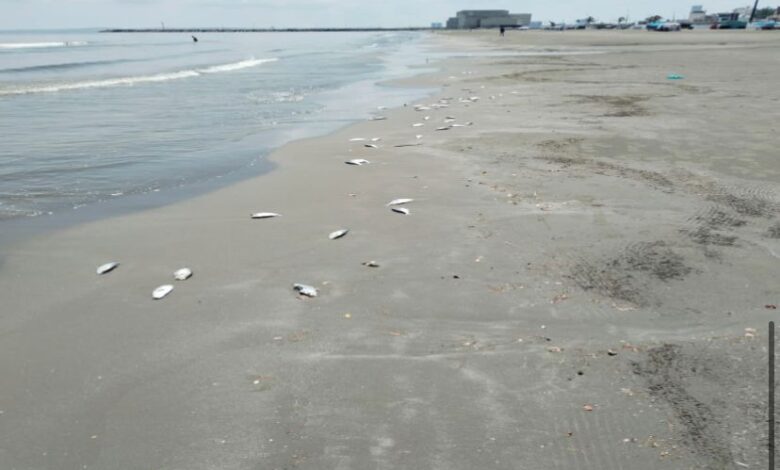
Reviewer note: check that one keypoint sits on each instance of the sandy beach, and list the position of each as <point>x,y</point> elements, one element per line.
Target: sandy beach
<point>584,280</point>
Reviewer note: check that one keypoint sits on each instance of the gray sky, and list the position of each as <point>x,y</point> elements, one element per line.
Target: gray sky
<point>24,14</point>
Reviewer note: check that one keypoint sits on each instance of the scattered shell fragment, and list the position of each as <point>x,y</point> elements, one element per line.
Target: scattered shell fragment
<point>182,274</point>
<point>357,161</point>
<point>400,210</point>
<point>107,268</point>
<point>399,201</point>
<point>162,291</point>
<point>371,264</point>
<point>265,215</point>
<point>338,234</point>
<point>305,290</point>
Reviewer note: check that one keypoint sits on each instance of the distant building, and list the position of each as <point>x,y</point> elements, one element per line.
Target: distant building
<point>470,19</point>
<point>436,25</point>
<point>698,15</point>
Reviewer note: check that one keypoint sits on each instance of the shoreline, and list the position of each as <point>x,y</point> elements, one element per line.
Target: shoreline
<point>575,257</point>
<point>22,227</point>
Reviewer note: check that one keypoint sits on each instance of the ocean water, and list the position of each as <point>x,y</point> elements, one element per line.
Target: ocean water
<point>87,117</point>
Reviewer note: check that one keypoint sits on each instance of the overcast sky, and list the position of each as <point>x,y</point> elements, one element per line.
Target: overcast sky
<point>24,14</point>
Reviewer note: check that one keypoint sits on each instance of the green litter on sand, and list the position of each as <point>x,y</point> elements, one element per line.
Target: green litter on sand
<point>674,76</point>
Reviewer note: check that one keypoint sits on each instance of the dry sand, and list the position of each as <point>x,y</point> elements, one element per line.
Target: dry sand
<point>574,287</point>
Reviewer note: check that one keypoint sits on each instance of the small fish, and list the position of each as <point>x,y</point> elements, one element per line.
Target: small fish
<point>398,202</point>
<point>407,145</point>
<point>357,139</point>
<point>182,274</point>
<point>427,118</point>
<point>418,136</point>
<point>378,118</point>
<point>357,161</point>
<point>463,125</point>
<point>162,291</point>
<point>371,146</point>
<point>422,108</point>
<point>107,268</point>
<point>376,139</point>
<point>306,290</point>
<point>265,215</point>
<point>400,210</point>
<point>371,264</point>
<point>443,128</point>
<point>338,234</point>
<point>418,124</point>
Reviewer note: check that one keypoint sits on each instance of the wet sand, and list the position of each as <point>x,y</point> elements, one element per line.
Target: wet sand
<point>584,281</point>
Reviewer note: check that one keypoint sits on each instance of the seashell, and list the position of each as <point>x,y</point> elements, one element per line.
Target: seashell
<point>265,215</point>
<point>305,290</point>
<point>398,202</point>
<point>182,274</point>
<point>400,210</point>
<point>162,291</point>
<point>107,268</point>
<point>338,234</point>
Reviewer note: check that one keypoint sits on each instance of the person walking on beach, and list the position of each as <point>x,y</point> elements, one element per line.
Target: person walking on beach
<point>501,31</point>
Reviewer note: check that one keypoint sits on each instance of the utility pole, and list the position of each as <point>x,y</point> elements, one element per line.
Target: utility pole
<point>753,13</point>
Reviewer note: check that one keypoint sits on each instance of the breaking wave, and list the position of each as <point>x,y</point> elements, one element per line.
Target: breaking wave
<point>111,82</point>
<point>40,45</point>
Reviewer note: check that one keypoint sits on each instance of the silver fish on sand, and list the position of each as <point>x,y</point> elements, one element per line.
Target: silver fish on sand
<point>357,161</point>
<point>182,274</point>
<point>338,234</point>
<point>418,124</point>
<point>371,264</point>
<point>399,201</point>
<point>400,210</point>
<point>357,139</point>
<point>265,215</point>
<point>376,139</point>
<point>379,118</point>
<point>107,268</point>
<point>443,128</point>
<point>162,291</point>
<point>305,290</point>
<point>371,146</point>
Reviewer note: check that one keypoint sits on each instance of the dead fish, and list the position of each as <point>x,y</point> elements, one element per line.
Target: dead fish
<point>265,215</point>
<point>376,139</point>
<point>400,210</point>
<point>162,291</point>
<point>443,128</point>
<point>407,145</point>
<point>463,125</point>
<point>378,118</point>
<point>306,290</point>
<point>338,234</point>
<point>371,264</point>
<point>418,136</point>
<point>422,108</point>
<point>427,118</point>
<point>357,139</point>
<point>371,146</point>
<point>357,161</point>
<point>182,274</point>
<point>418,124</point>
<point>107,268</point>
<point>398,202</point>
